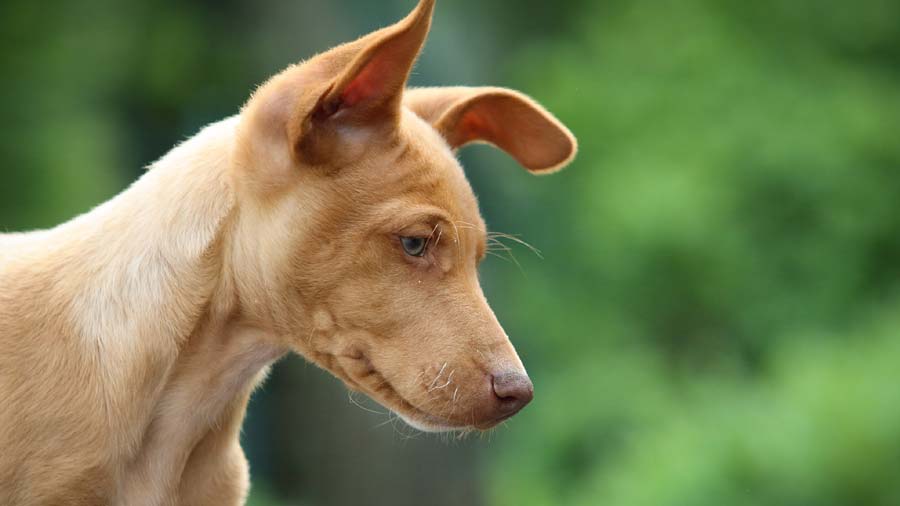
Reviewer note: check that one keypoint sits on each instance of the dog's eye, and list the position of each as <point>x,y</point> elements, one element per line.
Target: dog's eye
<point>414,246</point>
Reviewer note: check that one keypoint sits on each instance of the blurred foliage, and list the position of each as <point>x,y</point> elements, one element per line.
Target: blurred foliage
<point>714,323</point>
<point>715,317</point>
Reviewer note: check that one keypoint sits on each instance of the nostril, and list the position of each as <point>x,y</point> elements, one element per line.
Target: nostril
<point>513,389</point>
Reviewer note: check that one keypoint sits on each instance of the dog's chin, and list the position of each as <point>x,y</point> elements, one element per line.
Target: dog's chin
<point>434,426</point>
<point>438,426</point>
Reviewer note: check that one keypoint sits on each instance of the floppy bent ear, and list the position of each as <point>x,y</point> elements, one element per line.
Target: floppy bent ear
<point>368,90</point>
<point>505,118</point>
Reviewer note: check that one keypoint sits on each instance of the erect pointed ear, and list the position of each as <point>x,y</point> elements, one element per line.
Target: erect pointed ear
<point>374,80</point>
<point>505,118</point>
<point>368,90</point>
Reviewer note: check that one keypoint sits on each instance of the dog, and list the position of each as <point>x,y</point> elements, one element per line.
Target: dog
<point>330,218</point>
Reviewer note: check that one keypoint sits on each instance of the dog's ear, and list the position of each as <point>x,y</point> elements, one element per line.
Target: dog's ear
<point>505,118</point>
<point>367,91</point>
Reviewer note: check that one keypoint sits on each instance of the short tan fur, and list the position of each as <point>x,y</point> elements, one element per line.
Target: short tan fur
<point>132,336</point>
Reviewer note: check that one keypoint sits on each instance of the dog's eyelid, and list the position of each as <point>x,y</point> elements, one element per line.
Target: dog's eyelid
<point>423,225</point>
<point>423,230</point>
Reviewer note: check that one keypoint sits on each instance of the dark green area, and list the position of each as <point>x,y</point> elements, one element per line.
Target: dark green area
<point>715,320</point>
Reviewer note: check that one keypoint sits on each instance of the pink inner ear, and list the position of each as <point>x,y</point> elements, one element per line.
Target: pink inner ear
<point>368,84</point>
<point>513,125</point>
<point>472,126</point>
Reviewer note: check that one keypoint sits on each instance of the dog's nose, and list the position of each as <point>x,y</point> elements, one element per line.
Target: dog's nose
<point>514,390</point>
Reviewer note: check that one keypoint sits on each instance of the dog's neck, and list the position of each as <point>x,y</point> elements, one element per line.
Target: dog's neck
<point>148,263</point>
<point>158,308</point>
<point>150,273</point>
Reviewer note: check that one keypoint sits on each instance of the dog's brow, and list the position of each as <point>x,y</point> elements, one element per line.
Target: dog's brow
<point>400,213</point>
<point>426,217</point>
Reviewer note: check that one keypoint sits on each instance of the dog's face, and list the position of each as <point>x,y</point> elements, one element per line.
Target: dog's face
<point>359,237</point>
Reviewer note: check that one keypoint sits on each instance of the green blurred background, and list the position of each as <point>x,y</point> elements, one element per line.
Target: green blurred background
<point>715,318</point>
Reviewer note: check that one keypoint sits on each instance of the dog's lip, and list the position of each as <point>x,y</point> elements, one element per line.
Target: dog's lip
<point>432,424</point>
<point>407,410</point>
<point>411,412</point>
<point>386,390</point>
<point>439,424</point>
<point>495,421</point>
<point>404,407</point>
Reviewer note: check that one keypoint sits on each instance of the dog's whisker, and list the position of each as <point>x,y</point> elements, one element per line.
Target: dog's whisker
<point>360,406</point>
<point>391,417</point>
<point>456,240</point>
<point>494,254</point>
<point>440,233</point>
<point>445,385</point>
<point>512,257</point>
<point>440,387</point>
<point>436,378</point>
<point>494,245</point>
<point>501,235</point>
<point>467,224</point>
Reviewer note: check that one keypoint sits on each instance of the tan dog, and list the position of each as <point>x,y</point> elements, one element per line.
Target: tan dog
<point>329,218</point>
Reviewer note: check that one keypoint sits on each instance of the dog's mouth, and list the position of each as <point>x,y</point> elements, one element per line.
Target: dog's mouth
<point>411,414</point>
<point>375,384</point>
<point>431,425</point>
<point>421,419</point>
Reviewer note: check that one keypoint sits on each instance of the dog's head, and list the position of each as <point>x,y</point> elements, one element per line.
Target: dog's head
<point>359,237</point>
